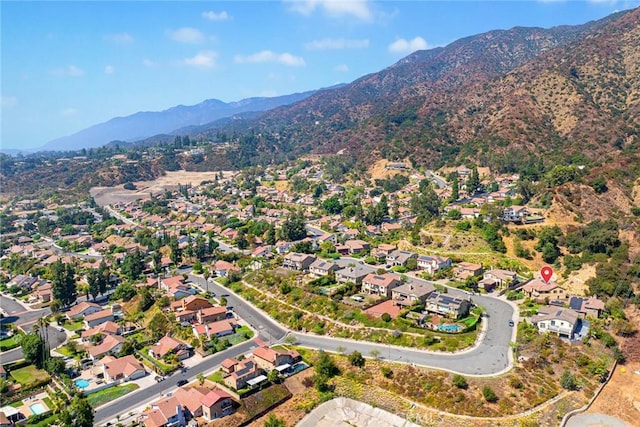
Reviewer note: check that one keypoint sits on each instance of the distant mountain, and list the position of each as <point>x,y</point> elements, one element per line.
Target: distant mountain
<point>493,97</point>
<point>146,124</point>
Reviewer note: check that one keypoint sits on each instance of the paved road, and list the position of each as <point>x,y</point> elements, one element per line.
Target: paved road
<point>440,182</point>
<point>55,338</point>
<point>489,357</point>
<point>140,397</point>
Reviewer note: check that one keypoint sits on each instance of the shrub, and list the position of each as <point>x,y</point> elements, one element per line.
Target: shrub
<point>386,372</point>
<point>489,395</point>
<point>460,381</point>
<point>386,317</point>
<point>568,381</point>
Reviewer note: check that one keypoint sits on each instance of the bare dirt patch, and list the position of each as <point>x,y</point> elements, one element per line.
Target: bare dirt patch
<point>170,181</point>
<point>379,170</point>
<point>621,396</point>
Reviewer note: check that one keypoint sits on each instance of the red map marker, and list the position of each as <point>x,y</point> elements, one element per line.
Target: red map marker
<point>546,272</point>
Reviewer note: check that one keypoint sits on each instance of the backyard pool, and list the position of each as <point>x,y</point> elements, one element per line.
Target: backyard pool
<point>37,408</point>
<point>81,383</point>
<point>449,328</point>
<point>300,366</point>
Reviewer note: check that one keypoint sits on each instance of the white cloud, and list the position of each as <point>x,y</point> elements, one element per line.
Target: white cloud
<point>337,8</point>
<point>8,101</point>
<point>109,69</point>
<point>120,38</point>
<point>68,112</point>
<point>205,59</point>
<point>215,16</point>
<point>407,46</point>
<point>336,44</point>
<point>186,35</point>
<point>342,68</point>
<point>269,56</point>
<point>69,71</point>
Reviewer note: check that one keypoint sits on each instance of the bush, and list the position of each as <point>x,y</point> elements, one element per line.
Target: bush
<point>386,317</point>
<point>568,381</point>
<point>386,372</point>
<point>460,381</point>
<point>489,395</point>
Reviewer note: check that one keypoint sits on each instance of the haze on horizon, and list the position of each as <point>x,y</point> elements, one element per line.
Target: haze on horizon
<point>70,65</point>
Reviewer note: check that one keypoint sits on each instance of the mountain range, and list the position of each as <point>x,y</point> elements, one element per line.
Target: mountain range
<point>499,96</point>
<point>142,125</point>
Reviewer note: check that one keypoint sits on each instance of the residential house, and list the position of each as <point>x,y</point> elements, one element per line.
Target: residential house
<point>515,213</point>
<point>3,373</point>
<point>591,306</point>
<point>222,268</point>
<point>464,270</point>
<point>445,305</point>
<point>496,278</point>
<point>83,309</point>
<point>191,303</point>
<point>211,314</point>
<point>191,400</point>
<point>269,358</point>
<point>110,345</point>
<point>99,317</point>
<point>538,289</point>
<point>321,268</point>
<point>356,246</point>
<point>390,227</point>
<point>167,412</point>
<point>326,237</point>
<point>380,284</point>
<point>559,321</point>
<point>380,253</point>
<point>400,257</point>
<point>218,329</point>
<point>168,345</point>
<point>44,292</point>
<point>107,328</point>
<point>412,293</point>
<point>298,261</point>
<point>351,233</point>
<point>126,368</point>
<point>175,287</point>
<point>241,372</point>
<point>353,274</point>
<point>216,404</point>
<point>261,251</point>
<point>432,263</point>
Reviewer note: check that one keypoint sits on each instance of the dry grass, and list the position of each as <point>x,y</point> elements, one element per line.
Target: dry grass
<point>170,181</point>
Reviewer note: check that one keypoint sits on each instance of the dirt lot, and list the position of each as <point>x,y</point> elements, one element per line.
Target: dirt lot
<point>109,195</point>
<point>621,396</point>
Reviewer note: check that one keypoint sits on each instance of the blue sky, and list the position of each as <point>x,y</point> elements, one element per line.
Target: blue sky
<point>68,65</point>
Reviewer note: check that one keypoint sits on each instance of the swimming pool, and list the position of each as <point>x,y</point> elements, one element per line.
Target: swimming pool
<point>37,408</point>
<point>81,383</point>
<point>449,328</point>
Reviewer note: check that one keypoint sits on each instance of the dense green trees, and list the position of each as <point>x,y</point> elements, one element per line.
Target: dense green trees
<point>98,280</point>
<point>293,228</point>
<point>78,414</point>
<point>33,349</point>
<point>63,283</point>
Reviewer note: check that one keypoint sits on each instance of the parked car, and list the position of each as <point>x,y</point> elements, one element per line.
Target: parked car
<point>158,378</point>
<point>181,383</point>
<point>511,323</point>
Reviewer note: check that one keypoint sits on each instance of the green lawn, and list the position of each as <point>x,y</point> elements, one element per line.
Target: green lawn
<point>29,375</point>
<point>216,377</point>
<point>103,396</point>
<point>74,326</point>
<point>9,343</point>
<point>64,350</point>
<point>239,336</point>
<point>17,404</point>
